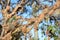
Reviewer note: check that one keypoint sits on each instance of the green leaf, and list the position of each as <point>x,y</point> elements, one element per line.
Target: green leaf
<point>55,37</point>
<point>13,18</point>
<point>45,38</point>
<point>53,31</point>
<point>59,31</point>
<point>50,27</point>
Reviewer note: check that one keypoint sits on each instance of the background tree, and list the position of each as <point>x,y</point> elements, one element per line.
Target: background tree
<point>21,17</point>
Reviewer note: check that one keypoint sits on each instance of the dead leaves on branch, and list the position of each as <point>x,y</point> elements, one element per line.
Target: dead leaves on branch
<point>23,28</point>
<point>7,36</point>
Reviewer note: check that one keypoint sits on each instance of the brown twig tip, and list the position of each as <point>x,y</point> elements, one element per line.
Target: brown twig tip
<point>7,7</point>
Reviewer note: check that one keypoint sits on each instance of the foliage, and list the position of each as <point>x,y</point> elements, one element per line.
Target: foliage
<point>12,27</point>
